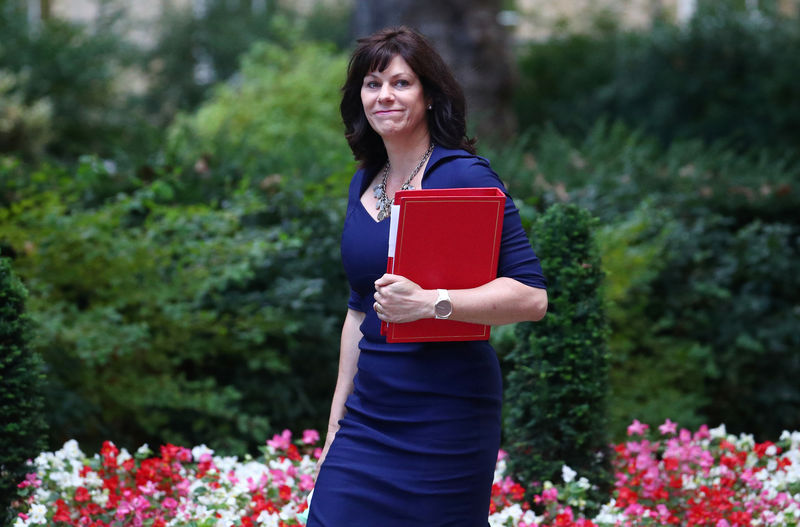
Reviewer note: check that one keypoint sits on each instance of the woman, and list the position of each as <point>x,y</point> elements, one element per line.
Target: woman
<point>414,428</point>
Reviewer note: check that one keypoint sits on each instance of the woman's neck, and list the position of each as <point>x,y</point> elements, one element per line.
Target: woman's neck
<point>405,155</point>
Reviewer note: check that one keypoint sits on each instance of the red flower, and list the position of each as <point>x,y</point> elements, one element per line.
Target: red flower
<point>81,494</point>
<point>62,512</point>
<point>285,492</point>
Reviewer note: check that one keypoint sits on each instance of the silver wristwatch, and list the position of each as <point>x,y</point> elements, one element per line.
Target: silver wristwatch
<point>443,307</point>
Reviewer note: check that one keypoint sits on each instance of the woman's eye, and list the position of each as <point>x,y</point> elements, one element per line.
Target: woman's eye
<point>372,84</point>
<point>402,83</point>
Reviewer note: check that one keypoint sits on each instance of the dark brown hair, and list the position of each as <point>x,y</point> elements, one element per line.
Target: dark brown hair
<point>447,120</point>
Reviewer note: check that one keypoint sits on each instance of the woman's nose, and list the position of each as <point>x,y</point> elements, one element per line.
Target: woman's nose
<point>385,94</point>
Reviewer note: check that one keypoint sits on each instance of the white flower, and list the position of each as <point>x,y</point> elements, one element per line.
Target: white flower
<point>529,516</point>
<point>610,514</point>
<point>70,450</point>
<point>268,520</point>
<point>93,480</point>
<point>718,432</point>
<point>499,472</point>
<point>567,474</point>
<point>201,450</point>
<point>584,484</point>
<point>123,456</point>
<point>500,518</point>
<point>101,498</point>
<point>288,512</point>
<point>38,512</point>
<point>746,441</point>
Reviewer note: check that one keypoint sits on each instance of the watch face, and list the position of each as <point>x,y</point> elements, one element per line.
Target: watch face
<point>443,308</point>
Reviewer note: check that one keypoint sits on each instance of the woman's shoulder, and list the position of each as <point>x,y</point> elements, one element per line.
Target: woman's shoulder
<point>459,168</point>
<point>358,183</point>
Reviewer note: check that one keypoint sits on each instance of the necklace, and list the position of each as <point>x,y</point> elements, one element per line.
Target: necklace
<point>384,204</point>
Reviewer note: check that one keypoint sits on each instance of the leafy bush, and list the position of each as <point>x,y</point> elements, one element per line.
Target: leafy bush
<point>196,49</point>
<point>697,242</point>
<point>727,77</point>
<point>24,127</point>
<point>557,390</point>
<point>22,426</point>
<point>76,72</point>
<point>172,322</point>
<point>281,117</point>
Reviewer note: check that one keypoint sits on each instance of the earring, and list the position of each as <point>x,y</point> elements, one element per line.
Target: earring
<point>430,107</point>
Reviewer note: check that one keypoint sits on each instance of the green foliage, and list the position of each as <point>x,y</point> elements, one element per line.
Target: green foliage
<point>196,49</point>
<point>22,426</point>
<point>697,242</point>
<point>727,76</point>
<point>186,323</point>
<point>653,375</point>
<point>280,119</point>
<point>557,389</point>
<point>24,128</point>
<point>75,73</point>
<point>197,302</point>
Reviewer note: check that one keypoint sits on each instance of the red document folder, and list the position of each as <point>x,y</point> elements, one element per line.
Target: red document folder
<point>444,239</point>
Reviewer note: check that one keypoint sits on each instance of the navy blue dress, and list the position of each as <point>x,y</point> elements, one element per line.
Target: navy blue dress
<point>418,444</point>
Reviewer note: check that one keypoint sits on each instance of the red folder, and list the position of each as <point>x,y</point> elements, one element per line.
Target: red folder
<point>444,239</point>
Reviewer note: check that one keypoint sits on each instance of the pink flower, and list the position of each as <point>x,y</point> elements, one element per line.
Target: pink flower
<point>148,488</point>
<point>306,482</point>
<point>637,428</point>
<point>30,480</point>
<point>310,437</point>
<point>702,433</point>
<point>685,435</point>
<point>169,503</point>
<point>281,442</point>
<point>501,454</point>
<point>550,495</point>
<point>278,476</point>
<point>317,453</point>
<point>668,427</point>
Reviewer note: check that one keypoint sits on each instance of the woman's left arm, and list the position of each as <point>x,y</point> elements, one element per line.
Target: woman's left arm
<point>501,301</point>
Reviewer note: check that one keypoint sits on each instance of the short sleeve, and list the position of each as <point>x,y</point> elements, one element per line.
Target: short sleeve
<point>354,302</point>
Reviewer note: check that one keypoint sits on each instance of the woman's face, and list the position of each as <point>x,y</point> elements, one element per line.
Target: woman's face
<point>394,101</point>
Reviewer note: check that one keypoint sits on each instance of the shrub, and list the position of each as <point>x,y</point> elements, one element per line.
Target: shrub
<point>181,323</point>
<point>726,77</point>
<point>76,71</point>
<point>24,127</point>
<point>697,242</point>
<point>264,125</point>
<point>557,389</point>
<point>22,426</point>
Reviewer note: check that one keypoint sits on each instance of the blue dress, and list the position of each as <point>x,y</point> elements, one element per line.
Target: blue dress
<point>418,444</point>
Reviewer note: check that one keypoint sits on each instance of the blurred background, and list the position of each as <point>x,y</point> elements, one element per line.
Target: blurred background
<point>173,180</point>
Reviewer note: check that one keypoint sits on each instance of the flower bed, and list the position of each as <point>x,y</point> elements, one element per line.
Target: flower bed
<point>705,478</point>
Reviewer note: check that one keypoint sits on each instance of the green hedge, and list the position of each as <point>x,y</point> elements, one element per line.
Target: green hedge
<point>183,323</point>
<point>727,76</point>
<point>74,73</point>
<point>557,390</point>
<point>696,242</point>
<point>22,426</point>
